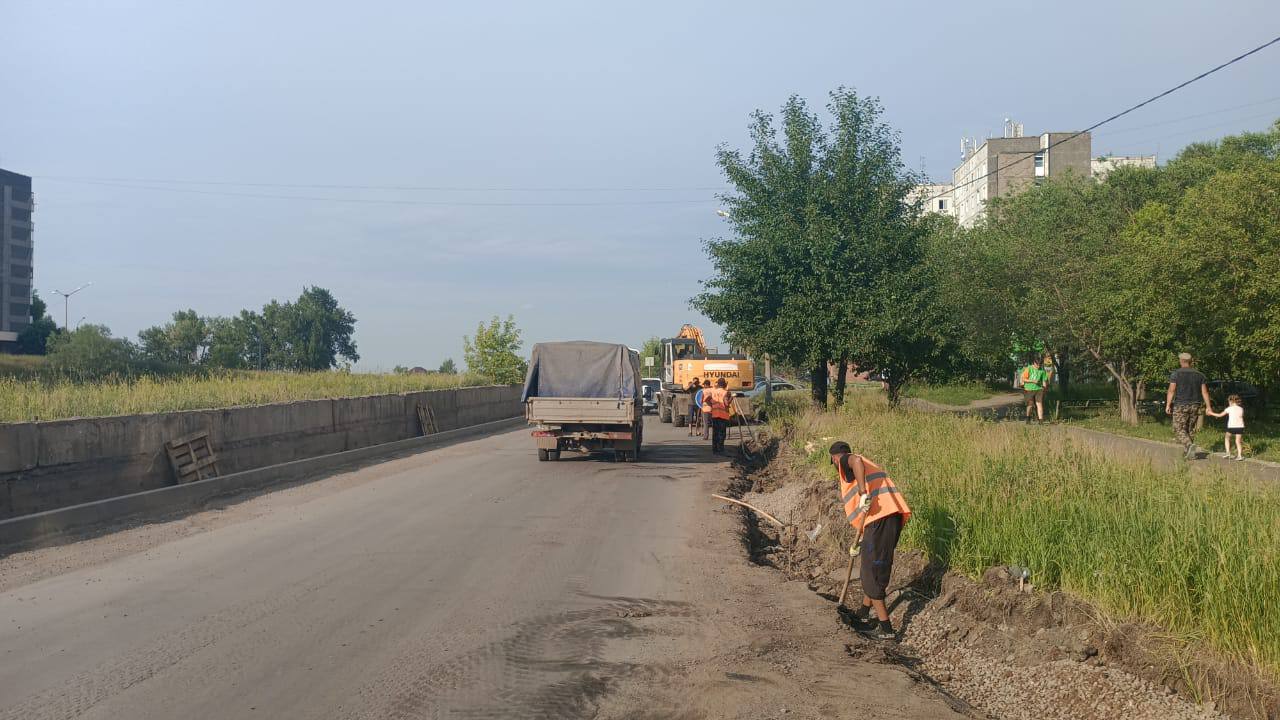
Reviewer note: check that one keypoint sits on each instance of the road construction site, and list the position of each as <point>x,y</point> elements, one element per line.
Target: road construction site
<point>474,581</point>
<point>466,581</point>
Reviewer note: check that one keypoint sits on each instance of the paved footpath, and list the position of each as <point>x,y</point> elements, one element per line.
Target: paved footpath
<point>469,581</point>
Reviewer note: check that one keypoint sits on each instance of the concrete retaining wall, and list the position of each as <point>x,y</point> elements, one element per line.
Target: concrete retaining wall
<point>49,465</point>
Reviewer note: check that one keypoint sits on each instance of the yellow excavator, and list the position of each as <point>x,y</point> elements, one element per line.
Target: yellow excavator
<point>685,357</point>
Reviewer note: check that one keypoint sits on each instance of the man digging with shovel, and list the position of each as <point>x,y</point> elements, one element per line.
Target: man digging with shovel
<point>875,507</point>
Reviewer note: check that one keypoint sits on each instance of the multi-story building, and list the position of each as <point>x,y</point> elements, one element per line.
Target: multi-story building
<point>935,198</point>
<point>1102,166</point>
<point>1009,165</point>
<point>16,255</point>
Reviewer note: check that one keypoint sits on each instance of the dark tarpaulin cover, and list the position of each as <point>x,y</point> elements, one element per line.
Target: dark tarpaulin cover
<point>583,369</point>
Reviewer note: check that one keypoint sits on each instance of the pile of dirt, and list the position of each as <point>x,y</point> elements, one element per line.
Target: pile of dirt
<point>1008,651</point>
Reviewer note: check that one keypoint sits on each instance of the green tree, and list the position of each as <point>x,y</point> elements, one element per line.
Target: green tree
<point>448,367</point>
<point>824,263</point>
<point>182,341</point>
<point>652,348</point>
<point>309,334</point>
<point>1225,239</point>
<point>495,351</point>
<point>89,352</point>
<point>34,339</point>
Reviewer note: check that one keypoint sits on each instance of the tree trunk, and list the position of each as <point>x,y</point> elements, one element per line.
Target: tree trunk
<point>1128,394</point>
<point>818,385</point>
<point>894,388</point>
<point>1064,374</point>
<point>842,369</point>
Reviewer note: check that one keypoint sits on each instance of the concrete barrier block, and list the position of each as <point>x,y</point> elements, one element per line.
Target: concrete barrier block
<point>19,446</point>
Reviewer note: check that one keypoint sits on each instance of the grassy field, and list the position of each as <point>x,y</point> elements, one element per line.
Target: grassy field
<point>1261,437</point>
<point>954,394</point>
<point>28,399</point>
<point>1198,556</point>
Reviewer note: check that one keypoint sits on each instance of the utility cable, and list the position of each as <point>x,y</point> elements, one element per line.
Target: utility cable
<point>402,188</point>
<point>1118,115</point>
<point>367,201</point>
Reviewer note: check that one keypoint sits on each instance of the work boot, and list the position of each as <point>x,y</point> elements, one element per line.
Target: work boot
<point>880,630</point>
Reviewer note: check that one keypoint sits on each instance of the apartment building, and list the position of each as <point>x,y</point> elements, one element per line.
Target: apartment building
<point>16,255</point>
<point>1009,165</point>
<point>935,198</point>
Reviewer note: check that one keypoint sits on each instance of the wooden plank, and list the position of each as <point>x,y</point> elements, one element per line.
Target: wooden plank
<point>192,457</point>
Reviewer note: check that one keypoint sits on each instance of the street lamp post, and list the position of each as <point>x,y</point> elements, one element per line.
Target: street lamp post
<point>66,305</point>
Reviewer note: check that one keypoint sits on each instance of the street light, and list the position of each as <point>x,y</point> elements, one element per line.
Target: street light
<point>66,305</point>
<point>81,320</point>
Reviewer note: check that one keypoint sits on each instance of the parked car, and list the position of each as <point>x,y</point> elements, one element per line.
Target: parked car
<point>649,390</point>
<point>778,386</point>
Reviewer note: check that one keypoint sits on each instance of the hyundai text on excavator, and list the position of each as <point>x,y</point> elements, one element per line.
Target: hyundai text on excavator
<point>684,358</point>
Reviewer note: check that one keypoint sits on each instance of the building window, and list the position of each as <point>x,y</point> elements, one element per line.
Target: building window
<point>22,291</point>
<point>942,204</point>
<point>1039,164</point>
<point>19,252</point>
<point>18,233</point>
<point>19,310</point>
<point>20,271</point>
<point>22,215</point>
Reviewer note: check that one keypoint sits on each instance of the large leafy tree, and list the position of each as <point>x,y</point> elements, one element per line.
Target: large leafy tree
<point>1227,233</point>
<point>34,339</point>
<point>494,352</point>
<point>89,352</point>
<point>824,262</point>
<point>312,333</point>
<point>182,341</point>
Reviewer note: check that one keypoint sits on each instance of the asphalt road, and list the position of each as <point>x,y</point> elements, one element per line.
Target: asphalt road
<point>470,581</point>
<point>439,584</point>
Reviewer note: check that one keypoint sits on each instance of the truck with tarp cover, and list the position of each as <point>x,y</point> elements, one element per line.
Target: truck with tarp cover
<point>584,396</point>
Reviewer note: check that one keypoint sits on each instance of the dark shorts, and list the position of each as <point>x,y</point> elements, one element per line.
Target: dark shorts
<point>1235,431</point>
<point>878,543</point>
<point>1030,395</point>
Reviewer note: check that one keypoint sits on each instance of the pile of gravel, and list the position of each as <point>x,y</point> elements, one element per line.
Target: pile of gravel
<point>959,656</point>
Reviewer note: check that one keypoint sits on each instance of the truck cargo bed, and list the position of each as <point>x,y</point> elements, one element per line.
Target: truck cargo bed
<point>581,411</point>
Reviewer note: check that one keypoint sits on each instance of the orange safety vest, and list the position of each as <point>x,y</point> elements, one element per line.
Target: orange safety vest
<point>886,499</point>
<point>719,400</point>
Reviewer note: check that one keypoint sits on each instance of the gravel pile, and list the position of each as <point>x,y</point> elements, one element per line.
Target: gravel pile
<point>958,655</point>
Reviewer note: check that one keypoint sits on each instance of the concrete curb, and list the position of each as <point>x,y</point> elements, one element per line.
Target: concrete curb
<point>152,504</point>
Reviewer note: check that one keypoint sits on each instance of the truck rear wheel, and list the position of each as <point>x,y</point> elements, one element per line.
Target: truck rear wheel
<point>679,420</point>
<point>543,454</point>
<point>664,412</point>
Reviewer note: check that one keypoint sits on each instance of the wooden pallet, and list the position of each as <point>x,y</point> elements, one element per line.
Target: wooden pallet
<point>427,419</point>
<point>192,457</point>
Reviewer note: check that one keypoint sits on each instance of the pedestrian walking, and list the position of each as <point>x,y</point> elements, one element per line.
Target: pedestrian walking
<point>874,506</point>
<point>1234,413</point>
<point>720,400</point>
<point>695,410</point>
<point>1188,396</point>
<point>1034,379</point>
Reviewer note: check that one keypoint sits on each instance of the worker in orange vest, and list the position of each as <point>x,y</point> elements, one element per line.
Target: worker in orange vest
<point>875,507</point>
<point>704,402</point>
<point>721,402</point>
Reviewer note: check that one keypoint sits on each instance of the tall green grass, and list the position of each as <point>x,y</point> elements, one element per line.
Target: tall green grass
<point>955,393</point>
<point>1198,557</point>
<point>28,399</point>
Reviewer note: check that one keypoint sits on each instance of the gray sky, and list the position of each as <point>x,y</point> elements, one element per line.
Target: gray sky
<point>572,104</point>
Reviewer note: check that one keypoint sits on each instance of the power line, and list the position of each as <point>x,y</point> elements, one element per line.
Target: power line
<point>1191,117</point>
<point>366,201</point>
<point>1209,127</point>
<point>1118,115</point>
<point>404,188</point>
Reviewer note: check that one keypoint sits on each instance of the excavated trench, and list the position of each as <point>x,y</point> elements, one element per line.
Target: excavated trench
<point>992,648</point>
